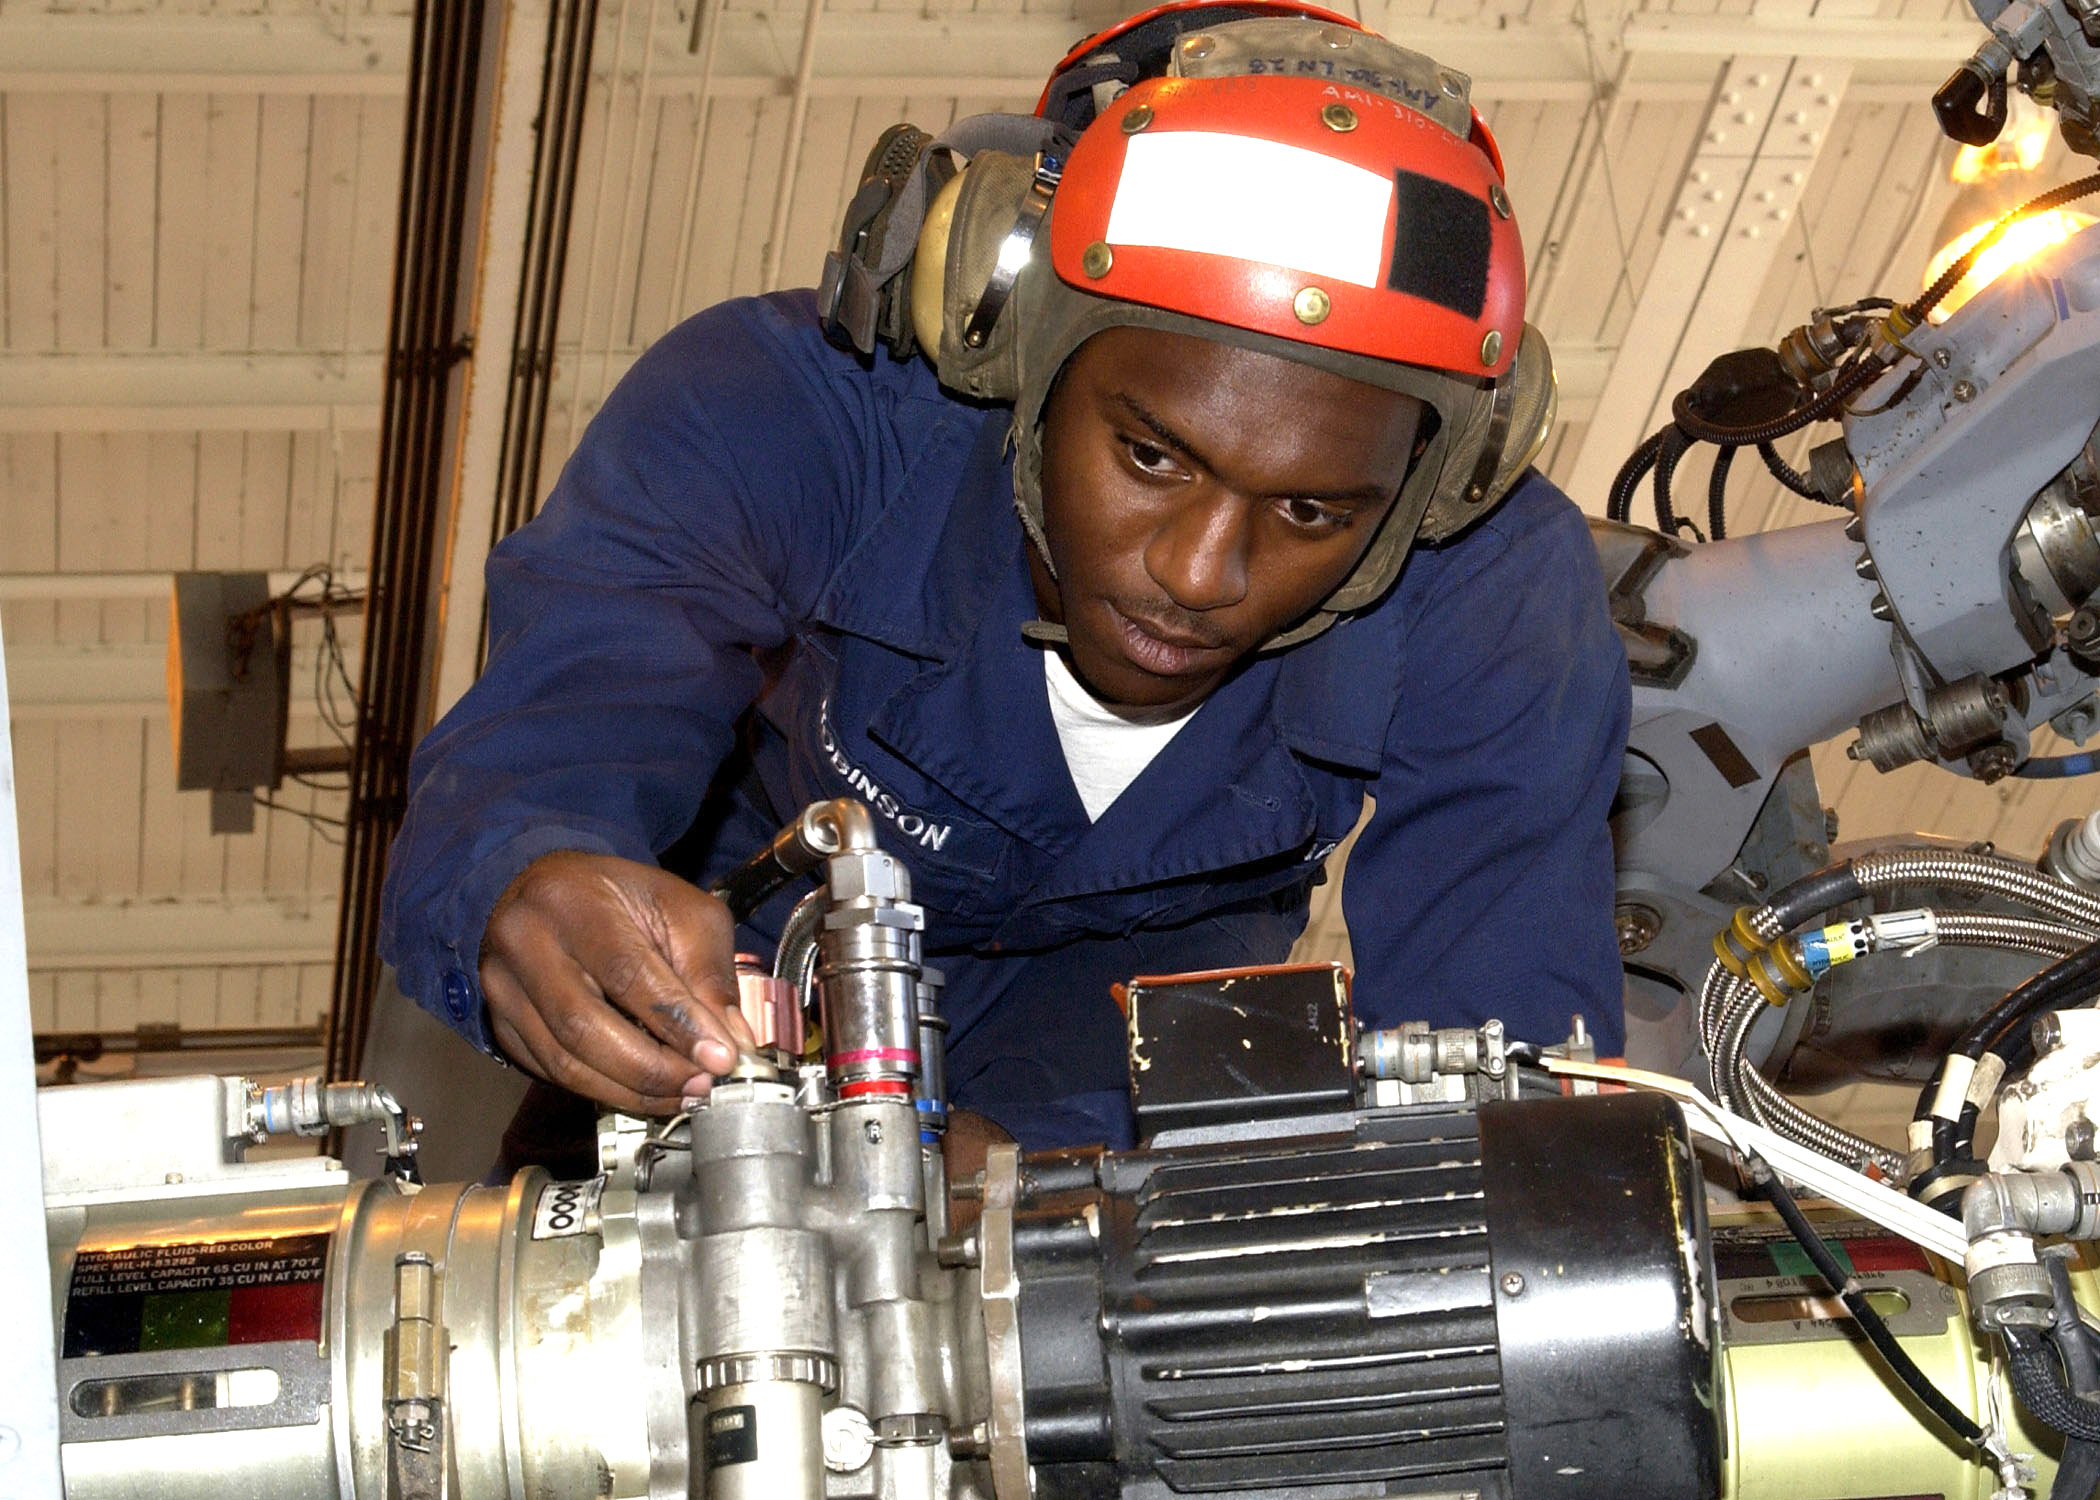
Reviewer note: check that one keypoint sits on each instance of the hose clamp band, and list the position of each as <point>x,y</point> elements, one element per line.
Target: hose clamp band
<point>755,1369</point>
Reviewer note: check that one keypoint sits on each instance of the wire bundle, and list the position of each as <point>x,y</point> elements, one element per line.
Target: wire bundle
<point>1866,355</point>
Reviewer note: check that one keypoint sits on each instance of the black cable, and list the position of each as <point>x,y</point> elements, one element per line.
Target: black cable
<point>1893,1354</point>
<point>1791,477</point>
<point>2077,1472</point>
<point>1674,446</point>
<point>1850,381</point>
<point>2072,971</point>
<point>2002,1031</point>
<point>2068,1330</point>
<point>1814,893</point>
<point>1619,506</point>
<point>2038,1380</point>
<point>1717,495</point>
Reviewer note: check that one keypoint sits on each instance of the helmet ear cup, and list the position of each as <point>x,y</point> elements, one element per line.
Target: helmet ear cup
<point>1500,432</point>
<point>929,266</point>
<point>989,201</point>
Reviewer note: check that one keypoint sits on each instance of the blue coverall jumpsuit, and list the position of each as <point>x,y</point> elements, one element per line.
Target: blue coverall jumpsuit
<point>772,574</point>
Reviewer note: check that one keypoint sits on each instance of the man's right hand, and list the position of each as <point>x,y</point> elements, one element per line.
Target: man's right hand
<point>613,979</point>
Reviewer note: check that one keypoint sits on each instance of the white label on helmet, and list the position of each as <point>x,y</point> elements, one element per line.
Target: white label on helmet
<point>1253,200</point>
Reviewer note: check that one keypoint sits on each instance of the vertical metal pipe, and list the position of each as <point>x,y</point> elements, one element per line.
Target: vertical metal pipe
<point>558,238</point>
<point>791,151</point>
<point>423,346</point>
<point>498,278</point>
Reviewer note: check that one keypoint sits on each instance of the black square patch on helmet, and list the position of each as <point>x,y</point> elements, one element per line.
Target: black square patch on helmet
<point>1441,244</point>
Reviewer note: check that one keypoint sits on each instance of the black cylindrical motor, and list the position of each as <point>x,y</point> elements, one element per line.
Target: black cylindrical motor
<point>1515,1302</point>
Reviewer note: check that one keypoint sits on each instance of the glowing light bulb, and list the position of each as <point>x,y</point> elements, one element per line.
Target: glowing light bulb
<point>2019,147</point>
<point>2018,245</point>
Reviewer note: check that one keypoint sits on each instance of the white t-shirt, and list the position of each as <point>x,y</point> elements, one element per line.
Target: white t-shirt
<point>1105,748</point>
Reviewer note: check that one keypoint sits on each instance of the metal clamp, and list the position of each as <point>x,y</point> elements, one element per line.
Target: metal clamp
<point>1014,251</point>
<point>415,1384</point>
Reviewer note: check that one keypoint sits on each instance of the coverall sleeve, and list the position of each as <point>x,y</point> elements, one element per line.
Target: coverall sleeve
<point>697,521</point>
<point>1482,886</point>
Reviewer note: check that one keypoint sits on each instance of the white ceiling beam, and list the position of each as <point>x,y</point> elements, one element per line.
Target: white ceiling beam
<point>91,53</point>
<point>130,680</point>
<point>110,587</point>
<point>999,57</point>
<point>193,932</point>
<point>1925,49</point>
<point>193,391</point>
<point>82,52</point>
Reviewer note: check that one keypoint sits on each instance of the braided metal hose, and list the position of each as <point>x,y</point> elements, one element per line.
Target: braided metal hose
<point>1991,874</point>
<point>1728,1007</point>
<point>1742,1088</point>
<point>1982,929</point>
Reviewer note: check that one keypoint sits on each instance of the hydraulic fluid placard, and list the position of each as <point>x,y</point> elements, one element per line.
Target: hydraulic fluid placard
<point>195,1294</point>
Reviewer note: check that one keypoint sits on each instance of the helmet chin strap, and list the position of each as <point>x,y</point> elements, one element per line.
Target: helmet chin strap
<point>1036,632</point>
<point>1043,633</point>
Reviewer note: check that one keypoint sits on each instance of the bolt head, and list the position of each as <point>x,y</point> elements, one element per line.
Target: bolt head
<point>1964,390</point>
<point>1512,1284</point>
<point>1137,119</point>
<point>1491,346</point>
<point>1992,764</point>
<point>1498,200</point>
<point>1097,259</point>
<point>2079,1139</point>
<point>1339,118</point>
<point>1312,304</point>
<point>1636,925</point>
<point>1197,46</point>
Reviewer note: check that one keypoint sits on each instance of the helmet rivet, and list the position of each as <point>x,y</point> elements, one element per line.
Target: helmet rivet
<point>1311,305</point>
<point>1339,40</point>
<point>1197,46</point>
<point>1491,346</point>
<point>1097,259</point>
<point>1339,118</point>
<point>1138,119</point>
<point>1497,199</point>
<point>1449,83</point>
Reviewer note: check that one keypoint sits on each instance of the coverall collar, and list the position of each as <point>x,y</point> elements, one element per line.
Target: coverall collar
<point>953,590</point>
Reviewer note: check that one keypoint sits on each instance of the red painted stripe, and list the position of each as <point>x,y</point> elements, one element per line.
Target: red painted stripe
<point>873,1054</point>
<point>273,1314</point>
<point>1885,1253</point>
<point>872,1086</point>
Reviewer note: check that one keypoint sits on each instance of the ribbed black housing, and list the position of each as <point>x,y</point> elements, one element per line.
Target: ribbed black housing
<point>1318,1314</point>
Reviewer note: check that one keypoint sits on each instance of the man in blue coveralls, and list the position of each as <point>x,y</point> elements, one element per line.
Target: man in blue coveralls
<point>1100,604</point>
